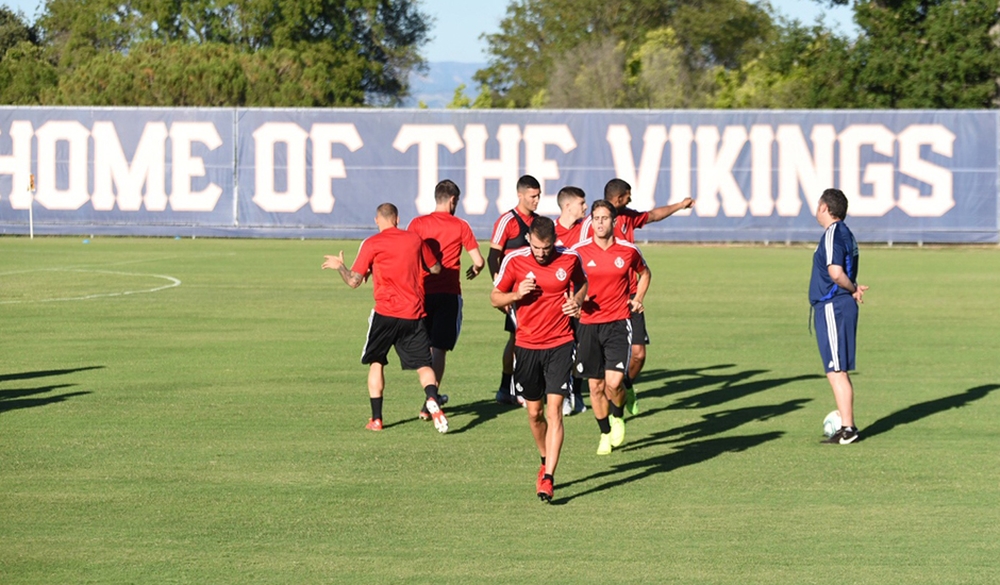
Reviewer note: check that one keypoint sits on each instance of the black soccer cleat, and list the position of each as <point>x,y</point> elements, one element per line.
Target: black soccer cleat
<point>844,436</point>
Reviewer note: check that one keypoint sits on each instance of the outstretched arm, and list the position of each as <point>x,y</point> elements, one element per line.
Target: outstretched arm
<point>353,279</point>
<point>658,213</point>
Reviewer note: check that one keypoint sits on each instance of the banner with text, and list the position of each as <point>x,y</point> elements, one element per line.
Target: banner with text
<point>914,176</point>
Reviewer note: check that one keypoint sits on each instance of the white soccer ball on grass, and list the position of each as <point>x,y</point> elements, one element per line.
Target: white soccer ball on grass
<point>831,424</point>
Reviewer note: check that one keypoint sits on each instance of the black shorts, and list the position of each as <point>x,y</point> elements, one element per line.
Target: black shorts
<point>639,334</point>
<point>408,336</point>
<point>443,320</point>
<point>538,372</point>
<point>509,323</point>
<point>601,347</point>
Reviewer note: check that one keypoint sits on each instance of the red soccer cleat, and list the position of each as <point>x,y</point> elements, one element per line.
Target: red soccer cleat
<point>538,482</point>
<point>374,424</point>
<point>545,490</point>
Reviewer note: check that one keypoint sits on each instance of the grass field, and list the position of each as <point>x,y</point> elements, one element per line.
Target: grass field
<point>213,431</point>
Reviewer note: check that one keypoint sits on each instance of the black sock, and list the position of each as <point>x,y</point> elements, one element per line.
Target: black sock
<point>627,381</point>
<point>431,391</point>
<point>578,386</point>
<point>618,411</point>
<point>549,477</point>
<point>376,407</point>
<point>505,382</point>
<point>604,424</point>
<point>543,461</point>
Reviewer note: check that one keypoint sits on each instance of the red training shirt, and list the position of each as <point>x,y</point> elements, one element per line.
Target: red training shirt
<point>609,274</point>
<point>446,235</point>
<point>507,228</point>
<point>539,318</point>
<point>568,237</point>
<point>396,260</point>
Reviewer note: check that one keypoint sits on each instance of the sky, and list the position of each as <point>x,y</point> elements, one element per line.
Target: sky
<point>459,23</point>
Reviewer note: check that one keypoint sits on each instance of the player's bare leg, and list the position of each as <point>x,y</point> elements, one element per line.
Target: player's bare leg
<point>554,432</point>
<point>376,380</point>
<point>538,424</point>
<point>637,362</point>
<point>843,394</point>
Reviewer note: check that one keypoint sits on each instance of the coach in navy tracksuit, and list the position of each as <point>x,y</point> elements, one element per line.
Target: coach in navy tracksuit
<point>834,293</point>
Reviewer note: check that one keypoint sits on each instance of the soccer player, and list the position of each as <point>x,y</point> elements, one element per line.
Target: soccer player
<point>572,203</point>
<point>446,235</point>
<point>396,259</point>
<point>543,286</point>
<point>510,232</point>
<point>834,294</point>
<point>619,193</point>
<point>604,336</point>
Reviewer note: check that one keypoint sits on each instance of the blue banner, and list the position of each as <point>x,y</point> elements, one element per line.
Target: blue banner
<point>910,176</point>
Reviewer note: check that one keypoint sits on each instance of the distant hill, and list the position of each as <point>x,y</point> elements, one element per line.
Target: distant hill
<point>436,88</point>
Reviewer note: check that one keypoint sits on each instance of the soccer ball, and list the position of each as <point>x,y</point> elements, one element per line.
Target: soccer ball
<point>831,424</point>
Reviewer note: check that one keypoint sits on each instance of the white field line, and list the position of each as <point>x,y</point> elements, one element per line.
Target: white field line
<point>171,280</point>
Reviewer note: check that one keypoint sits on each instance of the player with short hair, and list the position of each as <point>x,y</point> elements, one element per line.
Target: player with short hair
<point>572,203</point>
<point>604,336</point>
<point>446,235</point>
<point>619,194</point>
<point>396,260</point>
<point>834,294</point>
<point>543,285</point>
<point>510,232</point>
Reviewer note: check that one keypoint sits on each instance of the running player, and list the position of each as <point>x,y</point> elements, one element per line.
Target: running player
<point>510,232</point>
<point>446,235</point>
<point>396,260</point>
<point>604,336</point>
<point>619,193</point>
<point>572,203</point>
<point>543,286</point>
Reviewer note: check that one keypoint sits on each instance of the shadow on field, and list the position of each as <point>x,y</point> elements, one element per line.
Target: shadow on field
<point>482,410</point>
<point>715,423</point>
<point>15,399</point>
<point>726,387</point>
<point>687,454</point>
<point>924,409</point>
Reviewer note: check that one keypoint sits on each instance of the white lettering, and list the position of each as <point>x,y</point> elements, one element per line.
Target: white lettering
<point>941,198</point>
<point>427,137</point>
<point>644,179</point>
<point>266,196</point>
<point>879,175</point>
<point>186,166</point>
<point>478,168</point>
<point>112,169</point>
<point>681,138</point>
<point>796,167</point>
<point>536,138</point>
<point>75,195</point>
<point>715,171</point>
<point>761,142</point>
<point>325,167</point>
<point>18,163</point>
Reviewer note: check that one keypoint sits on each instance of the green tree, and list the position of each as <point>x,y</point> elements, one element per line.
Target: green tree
<point>347,52</point>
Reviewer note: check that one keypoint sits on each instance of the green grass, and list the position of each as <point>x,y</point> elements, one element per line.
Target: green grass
<point>214,432</point>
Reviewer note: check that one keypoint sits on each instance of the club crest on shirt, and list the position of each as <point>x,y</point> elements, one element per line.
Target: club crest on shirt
<point>561,275</point>
<point>624,229</point>
<point>619,263</point>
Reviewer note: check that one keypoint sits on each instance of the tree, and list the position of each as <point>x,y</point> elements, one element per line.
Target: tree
<point>541,42</point>
<point>348,52</point>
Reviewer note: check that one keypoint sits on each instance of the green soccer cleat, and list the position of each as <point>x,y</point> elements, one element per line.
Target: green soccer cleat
<point>631,402</point>
<point>604,446</point>
<point>617,430</point>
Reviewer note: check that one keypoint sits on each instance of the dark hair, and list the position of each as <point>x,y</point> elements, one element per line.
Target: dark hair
<point>836,202</point>
<point>616,187</point>
<point>388,211</point>
<point>568,193</point>
<point>528,182</point>
<point>544,229</point>
<point>445,190</point>
<point>604,204</point>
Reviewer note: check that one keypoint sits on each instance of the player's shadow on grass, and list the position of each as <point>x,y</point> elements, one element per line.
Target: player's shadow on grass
<point>482,411</point>
<point>685,455</point>
<point>716,423</point>
<point>686,380</point>
<point>725,387</point>
<point>924,409</point>
<point>15,399</point>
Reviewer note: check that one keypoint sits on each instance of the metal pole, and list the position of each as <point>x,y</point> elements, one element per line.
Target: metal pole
<point>31,206</point>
